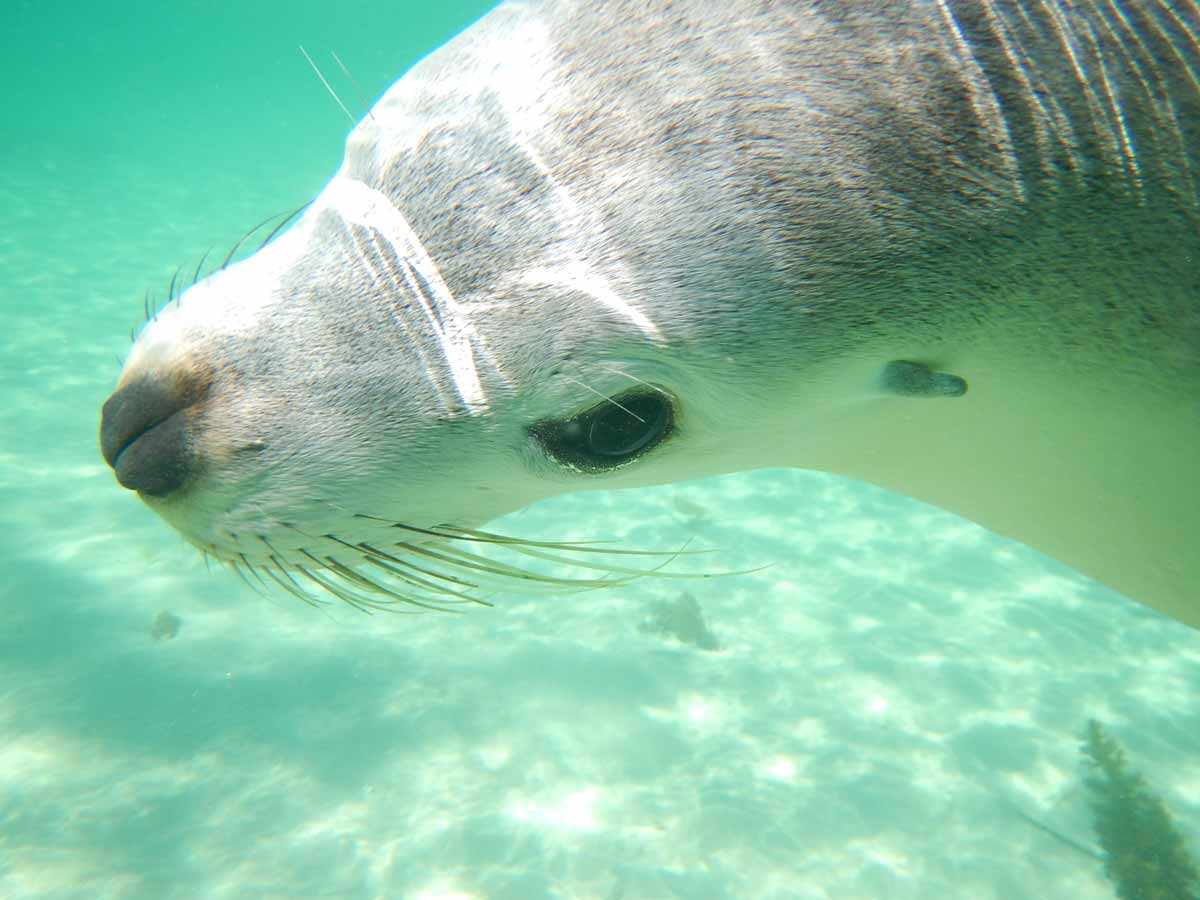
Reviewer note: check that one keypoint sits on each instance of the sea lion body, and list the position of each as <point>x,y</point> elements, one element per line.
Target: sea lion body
<point>602,245</point>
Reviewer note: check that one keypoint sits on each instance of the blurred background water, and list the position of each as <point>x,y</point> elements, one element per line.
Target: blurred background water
<point>873,716</point>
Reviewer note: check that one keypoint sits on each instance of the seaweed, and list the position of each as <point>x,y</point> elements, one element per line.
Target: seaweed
<point>1145,856</point>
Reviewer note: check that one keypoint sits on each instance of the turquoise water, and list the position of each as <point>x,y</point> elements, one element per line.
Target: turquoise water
<point>887,698</point>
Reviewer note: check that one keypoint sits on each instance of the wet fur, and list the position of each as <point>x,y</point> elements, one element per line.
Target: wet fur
<point>794,195</point>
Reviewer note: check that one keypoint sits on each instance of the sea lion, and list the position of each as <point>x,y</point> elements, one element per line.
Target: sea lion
<point>949,247</point>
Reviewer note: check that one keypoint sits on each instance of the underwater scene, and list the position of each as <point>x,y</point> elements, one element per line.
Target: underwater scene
<point>817,690</point>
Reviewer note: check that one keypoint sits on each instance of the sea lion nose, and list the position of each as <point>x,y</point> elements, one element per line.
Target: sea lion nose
<point>146,434</point>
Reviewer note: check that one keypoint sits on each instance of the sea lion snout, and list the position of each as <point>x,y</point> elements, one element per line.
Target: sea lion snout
<point>146,433</point>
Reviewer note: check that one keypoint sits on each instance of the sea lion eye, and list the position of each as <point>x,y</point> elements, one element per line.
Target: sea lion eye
<point>611,433</point>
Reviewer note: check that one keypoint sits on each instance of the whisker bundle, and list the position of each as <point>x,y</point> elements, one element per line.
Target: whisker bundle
<point>436,572</point>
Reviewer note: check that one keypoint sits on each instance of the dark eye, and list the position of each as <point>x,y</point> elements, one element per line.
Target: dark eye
<point>609,434</point>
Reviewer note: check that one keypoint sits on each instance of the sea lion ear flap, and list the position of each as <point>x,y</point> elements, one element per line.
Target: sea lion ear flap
<point>913,379</point>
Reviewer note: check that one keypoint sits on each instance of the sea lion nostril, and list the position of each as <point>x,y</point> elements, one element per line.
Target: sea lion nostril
<point>145,435</point>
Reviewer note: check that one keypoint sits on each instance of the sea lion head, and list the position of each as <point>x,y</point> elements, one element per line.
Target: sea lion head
<point>529,276</point>
<point>373,381</point>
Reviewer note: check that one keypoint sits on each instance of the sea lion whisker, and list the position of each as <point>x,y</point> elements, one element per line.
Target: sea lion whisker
<point>441,591</point>
<point>200,265</point>
<point>300,531</point>
<point>275,554</point>
<point>475,560</point>
<point>328,87</point>
<point>358,92</point>
<point>534,548</point>
<point>396,567</point>
<point>454,533</point>
<point>605,567</point>
<point>279,571</point>
<point>488,537</point>
<point>283,578</point>
<point>636,380</point>
<point>351,598</point>
<point>400,571</point>
<point>370,584</point>
<point>332,589</point>
<point>283,222</point>
<point>237,569</point>
<point>503,540</point>
<point>530,550</point>
<point>494,582</point>
<point>605,397</point>
<point>375,553</point>
<point>459,557</point>
<point>171,285</point>
<point>237,245</point>
<point>354,597</point>
<point>251,569</point>
<point>403,569</point>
